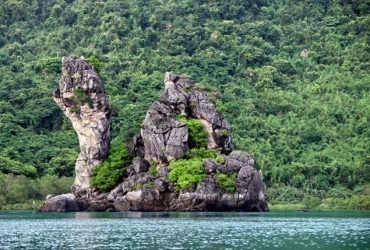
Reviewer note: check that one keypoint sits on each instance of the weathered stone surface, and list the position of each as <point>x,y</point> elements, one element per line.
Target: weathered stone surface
<point>163,172</point>
<point>103,205</point>
<point>164,138</point>
<point>142,200</point>
<point>136,146</point>
<point>236,160</point>
<point>60,203</point>
<point>210,166</point>
<point>141,165</point>
<point>82,98</point>
<point>161,185</point>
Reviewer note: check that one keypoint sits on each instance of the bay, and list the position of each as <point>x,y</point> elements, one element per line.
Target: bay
<point>195,230</point>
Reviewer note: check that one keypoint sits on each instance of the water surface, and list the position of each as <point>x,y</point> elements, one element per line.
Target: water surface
<point>200,230</point>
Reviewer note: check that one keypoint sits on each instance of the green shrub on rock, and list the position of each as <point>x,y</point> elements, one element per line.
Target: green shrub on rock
<point>197,136</point>
<point>74,110</point>
<point>227,183</point>
<point>201,153</point>
<point>150,185</point>
<point>152,169</point>
<point>186,172</point>
<point>219,159</point>
<point>81,97</point>
<point>108,174</point>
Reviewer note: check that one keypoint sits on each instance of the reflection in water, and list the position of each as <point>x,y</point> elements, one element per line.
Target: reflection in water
<point>171,230</point>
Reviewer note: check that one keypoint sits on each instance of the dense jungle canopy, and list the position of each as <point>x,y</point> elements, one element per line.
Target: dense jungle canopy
<point>292,76</point>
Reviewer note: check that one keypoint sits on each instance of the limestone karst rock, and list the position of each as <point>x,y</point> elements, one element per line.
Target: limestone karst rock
<point>165,138</point>
<point>82,98</point>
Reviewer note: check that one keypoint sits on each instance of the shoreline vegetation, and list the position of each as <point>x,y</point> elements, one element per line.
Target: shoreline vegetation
<point>358,203</point>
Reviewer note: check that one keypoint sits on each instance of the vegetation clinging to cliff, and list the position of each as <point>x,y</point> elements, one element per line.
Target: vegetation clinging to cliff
<point>197,136</point>
<point>190,170</point>
<point>225,182</point>
<point>107,175</point>
<point>186,172</point>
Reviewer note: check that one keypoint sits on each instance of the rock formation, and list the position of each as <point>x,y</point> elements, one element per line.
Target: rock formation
<point>165,138</point>
<point>60,203</point>
<point>160,129</point>
<point>82,98</point>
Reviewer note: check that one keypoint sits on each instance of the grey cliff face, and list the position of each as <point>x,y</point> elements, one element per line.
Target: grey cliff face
<point>82,98</point>
<point>162,139</point>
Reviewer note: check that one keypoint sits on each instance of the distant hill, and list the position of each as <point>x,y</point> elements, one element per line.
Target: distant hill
<point>293,78</point>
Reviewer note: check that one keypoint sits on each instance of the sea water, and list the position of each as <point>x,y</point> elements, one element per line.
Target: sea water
<point>185,230</point>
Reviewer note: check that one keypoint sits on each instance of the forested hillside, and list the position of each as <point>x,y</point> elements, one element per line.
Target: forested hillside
<point>293,79</point>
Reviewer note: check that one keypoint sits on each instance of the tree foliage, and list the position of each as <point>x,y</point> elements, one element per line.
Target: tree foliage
<point>292,77</point>
<point>20,189</point>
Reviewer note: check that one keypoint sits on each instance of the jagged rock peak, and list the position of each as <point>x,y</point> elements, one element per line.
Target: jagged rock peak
<point>166,138</point>
<point>82,98</point>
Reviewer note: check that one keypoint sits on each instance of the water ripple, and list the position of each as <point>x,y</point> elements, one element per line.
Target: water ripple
<point>24,230</point>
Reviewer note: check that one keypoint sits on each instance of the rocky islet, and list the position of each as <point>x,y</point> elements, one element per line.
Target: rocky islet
<point>163,139</point>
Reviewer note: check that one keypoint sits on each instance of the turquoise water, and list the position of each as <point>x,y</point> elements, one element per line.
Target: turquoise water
<point>203,230</point>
